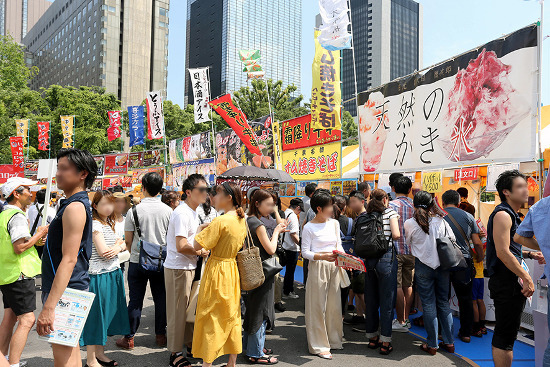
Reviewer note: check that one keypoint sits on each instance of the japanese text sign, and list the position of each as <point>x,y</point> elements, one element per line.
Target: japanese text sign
<point>67,129</point>
<point>7,171</point>
<point>135,117</point>
<point>432,182</point>
<point>201,94</point>
<point>116,163</point>
<point>313,163</point>
<point>22,127</point>
<point>465,174</point>
<point>43,135</point>
<point>155,116</point>
<point>298,133</point>
<point>479,107</point>
<point>115,123</point>
<point>16,144</point>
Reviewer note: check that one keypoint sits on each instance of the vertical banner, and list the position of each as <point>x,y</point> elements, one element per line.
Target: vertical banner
<point>155,117</point>
<point>326,94</point>
<point>43,135</point>
<point>22,127</point>
<point>115,122</point>
<point>135,116</point>
<point>237,121</point>
<point>67,129</point>
<point>16,144</point>
<point>277,149</point>
<point>334,33</point>
<point>201,94</point>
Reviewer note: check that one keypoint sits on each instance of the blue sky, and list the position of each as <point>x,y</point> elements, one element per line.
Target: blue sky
<point>450,28</point>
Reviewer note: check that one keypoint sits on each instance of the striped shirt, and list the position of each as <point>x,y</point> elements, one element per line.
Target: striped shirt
<point>404,207</point>
<point>98,264</point>
<point>386,216</point>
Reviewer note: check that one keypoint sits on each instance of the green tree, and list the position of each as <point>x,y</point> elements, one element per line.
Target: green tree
<point>14,73</point>
<point>349,129</point>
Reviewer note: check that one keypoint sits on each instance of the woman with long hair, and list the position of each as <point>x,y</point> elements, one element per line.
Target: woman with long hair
<point>346,229</point>
<point>259,302</point>
<point>381,277</point>
<point>109,313</point>
<point>321,236</point>
<point>432,283</point>
<point>170,198</point>
<point>218,319</point>
<point>206,212</point>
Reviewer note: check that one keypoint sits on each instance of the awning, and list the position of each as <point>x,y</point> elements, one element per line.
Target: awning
<point>350,161</point>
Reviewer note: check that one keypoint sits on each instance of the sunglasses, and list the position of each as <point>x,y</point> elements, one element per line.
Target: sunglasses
<point>202,189</point>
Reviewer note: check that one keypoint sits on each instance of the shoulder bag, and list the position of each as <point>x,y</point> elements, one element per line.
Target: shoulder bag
<point>151,255</point>
<point>450,255</point>
<point>281,252</point>
<point>194,295</point>
<point>249,264</point>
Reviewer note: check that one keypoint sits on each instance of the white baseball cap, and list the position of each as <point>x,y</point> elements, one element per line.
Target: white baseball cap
<point>13,183</point>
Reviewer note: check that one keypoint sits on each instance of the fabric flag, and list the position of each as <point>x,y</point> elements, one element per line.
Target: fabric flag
<point>115,122</point>
<point>135,116</point>
<point>334,33</point>
<point>155,116</point>
<point>326,95</point>
<point>67,128</point>
<point>201,94</point>
<point>16,144</point>
<point>22,127</point>
<point>251,60</point>
<point>237,121</point>
<point>43,135</point>
<point>255,75</point>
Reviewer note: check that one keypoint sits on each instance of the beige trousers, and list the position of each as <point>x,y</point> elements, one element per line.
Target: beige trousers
<point>179,333</point>
<point>324,327</point>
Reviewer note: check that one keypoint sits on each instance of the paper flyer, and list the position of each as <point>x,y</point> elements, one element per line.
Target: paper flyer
<point>348,261</point>
<point>71,313</point>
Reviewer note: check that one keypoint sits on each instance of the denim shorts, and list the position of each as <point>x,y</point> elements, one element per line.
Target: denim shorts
<point>478,287</point>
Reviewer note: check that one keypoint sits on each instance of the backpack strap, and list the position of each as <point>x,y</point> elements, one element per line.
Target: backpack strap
<point>136,221</point>
<point>33,229</point>
<point>350,226</point>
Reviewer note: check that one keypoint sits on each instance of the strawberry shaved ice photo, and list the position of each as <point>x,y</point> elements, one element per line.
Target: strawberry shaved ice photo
<point>373,130</point>
<point>483,108</point>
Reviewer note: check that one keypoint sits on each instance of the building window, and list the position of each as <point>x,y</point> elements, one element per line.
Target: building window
<point>163,12</point>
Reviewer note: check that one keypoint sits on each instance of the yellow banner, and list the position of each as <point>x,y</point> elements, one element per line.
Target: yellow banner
<point>432,182</point>
<point>321,162</point>
<point>277,149</point>
<point>67,128</point>
<point>326,95</point>
<point>22,127</point>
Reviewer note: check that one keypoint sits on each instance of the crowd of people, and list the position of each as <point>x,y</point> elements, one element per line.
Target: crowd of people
<point>184,247</point>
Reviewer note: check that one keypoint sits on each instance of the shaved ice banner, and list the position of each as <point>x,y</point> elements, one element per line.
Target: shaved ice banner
<point>479,107</point>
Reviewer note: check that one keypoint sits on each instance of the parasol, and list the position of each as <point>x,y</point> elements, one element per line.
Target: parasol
<point>279,175</point>
<point>247,172</point>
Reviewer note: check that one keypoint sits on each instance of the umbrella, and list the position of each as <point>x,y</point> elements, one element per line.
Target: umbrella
<point>247,172</point>
<point>279,175</point>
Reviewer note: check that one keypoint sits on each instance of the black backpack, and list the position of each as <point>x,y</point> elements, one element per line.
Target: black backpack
<point>370,240</point>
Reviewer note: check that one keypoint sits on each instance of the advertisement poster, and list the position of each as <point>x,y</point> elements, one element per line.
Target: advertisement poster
<point>301,188</point>
<point>135,160</point>
<point>287,189</point>
<point>116,164</point>
<point>465,174</point>
<point>7,171</point>
<point>190,148</point>
<point>494,171</point>
<point>336,187</point>
<point>479,107</point>
<point>122,180</point>
<point>100,161</point>
<point>323,185</point>
<point>71,313</point>
<point>314,163</point>
<point>31,168</point>
<point>432,182</point>
<point>97,185</point>
<point>138,174</point>
<point>205,167</point>
<point>297,133</point>
<point>152,158</point>
<point>348,186</point>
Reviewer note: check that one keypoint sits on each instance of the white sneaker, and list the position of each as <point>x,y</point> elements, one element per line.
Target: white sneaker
<point>398,327</point>
<point>291,295</point>
<point>408,324</point>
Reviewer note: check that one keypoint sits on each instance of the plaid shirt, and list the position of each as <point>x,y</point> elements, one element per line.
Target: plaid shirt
<point>404,207</point>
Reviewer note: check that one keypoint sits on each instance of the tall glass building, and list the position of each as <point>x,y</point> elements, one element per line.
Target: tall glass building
<point>387,38</point>
<point>218,29</point>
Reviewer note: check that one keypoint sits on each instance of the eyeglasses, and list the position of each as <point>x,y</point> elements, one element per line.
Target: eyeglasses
<point>202,189</point>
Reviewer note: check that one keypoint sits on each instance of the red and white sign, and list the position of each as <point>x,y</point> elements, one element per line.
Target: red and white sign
<point>43,135</point>
<point>115,122</point>
<point>348,261</point>
<point>7,171</point>
<point>16,144</point>
<point>466,174</point>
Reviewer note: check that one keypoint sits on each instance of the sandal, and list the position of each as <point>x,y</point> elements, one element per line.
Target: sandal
<point>385,350</point>
<point>374,343</point>
<point>429,350</point>
<point>484,330</point>
<point>477,333</point>
<point>268,351</point>
<point>464,339</point>
<point>181,362</point>
<point>107,364</point>
<point>263,360</point>
<point>325,356</point>
<point>447,347</point>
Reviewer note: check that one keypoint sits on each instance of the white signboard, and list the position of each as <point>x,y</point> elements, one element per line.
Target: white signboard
<point>201,94</point>
<point>494,171</point>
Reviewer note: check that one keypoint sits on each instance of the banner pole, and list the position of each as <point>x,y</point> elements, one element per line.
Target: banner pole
<point>28,138</point>
<point>539,102</point>
<point>48,192</point>
<point>49,139</point>
<point>74,131</point>
<point>121,131</point>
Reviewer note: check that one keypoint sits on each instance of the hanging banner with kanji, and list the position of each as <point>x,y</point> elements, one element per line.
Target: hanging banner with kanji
<point>201,94</point>
<point>237,121</point>
<point>67,129</point>
<point>476,108</point>
<point>155,116</point>
<point>135,123</point>
<point>334,33</point>
<point>43,135</point>
<point>16,144</point>
<point>277,148</point>
<point>297,133</point>
<point>22,127</point>
<point>326,94</point>
<point>314,163</point>
<point>115,122</point>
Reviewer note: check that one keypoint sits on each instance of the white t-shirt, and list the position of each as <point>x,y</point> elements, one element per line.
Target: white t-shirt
<point>293,227</point>
<point>321,237</point>
<point>119,229</point>
<point>422,244</point>
<point>184,222</point>
<point>98,264</point>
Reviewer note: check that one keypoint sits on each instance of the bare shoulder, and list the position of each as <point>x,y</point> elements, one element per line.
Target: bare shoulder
<point>502,217</point>
<point>74,212</point>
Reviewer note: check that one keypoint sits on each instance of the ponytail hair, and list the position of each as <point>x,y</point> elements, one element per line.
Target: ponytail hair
<point>423,209</point>
<point>376,203</point>
<point>233,190</point>
<point>339,206</point>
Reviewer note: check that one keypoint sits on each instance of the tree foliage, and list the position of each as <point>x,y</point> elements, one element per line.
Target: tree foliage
<point>14,73</point>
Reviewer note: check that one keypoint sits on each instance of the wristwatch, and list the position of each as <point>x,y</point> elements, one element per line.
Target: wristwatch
<point>529,255</point>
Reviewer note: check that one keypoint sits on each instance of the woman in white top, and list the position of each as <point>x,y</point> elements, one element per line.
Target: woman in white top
<point>432,283</point>
<point>121,203</point>
<point>320,237</point>
<point>109,313</point>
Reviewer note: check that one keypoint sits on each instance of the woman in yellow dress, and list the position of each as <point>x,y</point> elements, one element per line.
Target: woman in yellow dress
<point>218,319</point>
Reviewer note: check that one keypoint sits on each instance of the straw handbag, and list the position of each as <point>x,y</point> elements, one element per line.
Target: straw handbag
<point>249,263</point>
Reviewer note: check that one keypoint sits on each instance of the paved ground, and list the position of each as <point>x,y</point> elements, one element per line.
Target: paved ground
<point>288,342</point>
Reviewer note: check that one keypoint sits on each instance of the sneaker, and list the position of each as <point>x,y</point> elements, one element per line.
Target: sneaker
<point>291,295</point>
<point>398,327</point>
<point>280,307</point>
<point>407,324</point>
<point>360,328</point>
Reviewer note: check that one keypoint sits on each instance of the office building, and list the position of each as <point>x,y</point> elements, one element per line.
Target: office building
<point>387,37</point>
<point>18,16</point>
<point>119,45</point>
<point>218,29</point>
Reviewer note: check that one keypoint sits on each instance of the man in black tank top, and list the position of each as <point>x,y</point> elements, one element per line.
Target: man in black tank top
<point>504,259</point>
<point>69,244</point>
